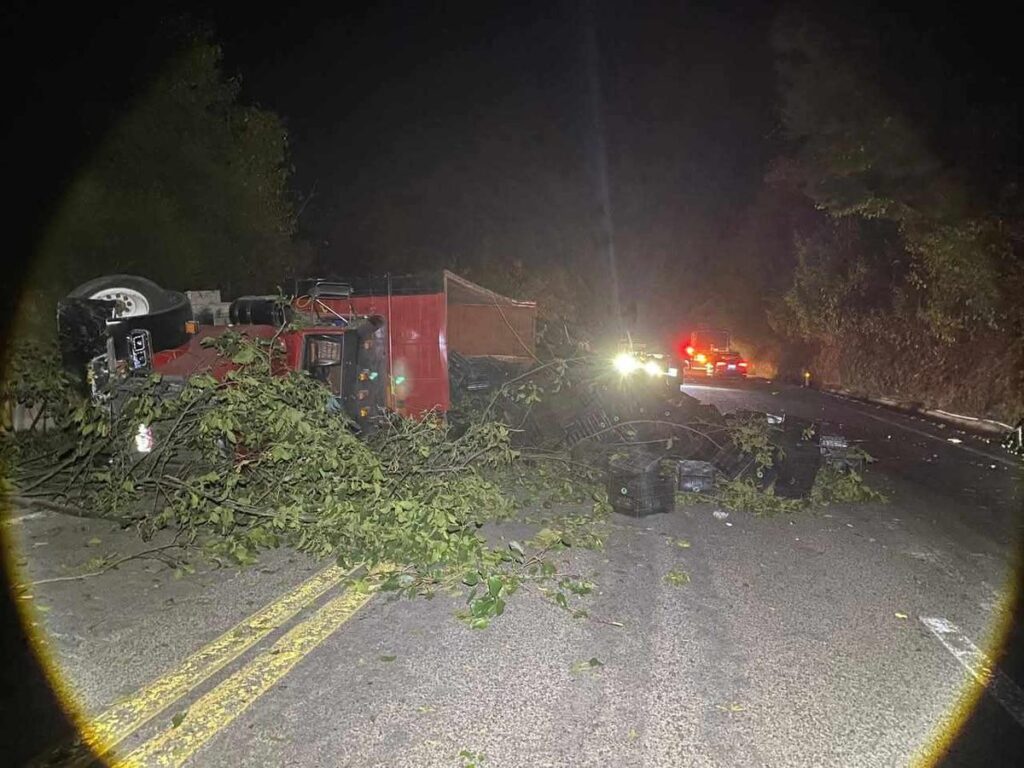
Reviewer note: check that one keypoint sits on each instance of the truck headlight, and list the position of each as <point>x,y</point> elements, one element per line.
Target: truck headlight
<point>625,363</point>
<point>653,368</point>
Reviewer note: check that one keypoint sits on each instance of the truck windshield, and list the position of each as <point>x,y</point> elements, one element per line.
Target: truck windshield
<point>323,360</point>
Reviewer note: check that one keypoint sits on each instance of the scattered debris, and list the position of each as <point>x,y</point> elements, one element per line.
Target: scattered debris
<point>579,667</point>
<point>676,578</point>
<point>720,514</point>
<point>639,483</point>
<point>695,476</point>
<point>731,707</point>
<point>1014,440</point>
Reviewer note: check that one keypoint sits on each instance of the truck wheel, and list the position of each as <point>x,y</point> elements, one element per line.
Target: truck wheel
<point>166,326</point>
<point>141,303</point>
<point>133,295</point>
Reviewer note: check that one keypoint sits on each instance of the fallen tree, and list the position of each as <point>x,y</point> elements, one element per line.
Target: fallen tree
<point>260,460</point>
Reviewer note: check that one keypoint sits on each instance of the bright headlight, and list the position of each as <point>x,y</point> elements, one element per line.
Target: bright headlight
<point>625,363</point>
<point>653,368</point>
<point>144,439</point>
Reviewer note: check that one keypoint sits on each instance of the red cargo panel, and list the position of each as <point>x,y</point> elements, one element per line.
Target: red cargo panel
<point>417,330</point>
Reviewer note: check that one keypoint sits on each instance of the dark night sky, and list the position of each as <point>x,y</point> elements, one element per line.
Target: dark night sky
<point>443,134</point>
<point>438,135</point>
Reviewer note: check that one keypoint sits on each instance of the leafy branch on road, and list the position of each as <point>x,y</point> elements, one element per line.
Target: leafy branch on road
<point>109,563</point>
<point>258,460</point>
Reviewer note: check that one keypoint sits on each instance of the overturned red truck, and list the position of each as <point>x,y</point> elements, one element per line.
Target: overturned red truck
<point>381,344</point>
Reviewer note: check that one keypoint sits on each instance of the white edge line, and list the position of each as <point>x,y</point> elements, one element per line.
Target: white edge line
<point>977,662</point>
<point>936,438</point>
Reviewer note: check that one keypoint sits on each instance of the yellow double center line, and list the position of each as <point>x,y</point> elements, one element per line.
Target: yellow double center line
<point>109,728</point>
<point>231,698</point>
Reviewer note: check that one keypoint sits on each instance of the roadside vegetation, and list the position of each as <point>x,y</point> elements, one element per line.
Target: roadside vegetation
<point>189,187</point>
<point>880,254</point>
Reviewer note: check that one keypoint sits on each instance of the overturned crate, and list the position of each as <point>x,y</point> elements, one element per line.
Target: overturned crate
<point>641,483</point>
<point>694,476</point>
<point>837,452</point>
<point>592,418</point>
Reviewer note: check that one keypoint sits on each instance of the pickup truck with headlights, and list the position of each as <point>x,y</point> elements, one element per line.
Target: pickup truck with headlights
<point>708,353</point>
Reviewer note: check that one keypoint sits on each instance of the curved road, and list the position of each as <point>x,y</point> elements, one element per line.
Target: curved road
<point>843,637</point>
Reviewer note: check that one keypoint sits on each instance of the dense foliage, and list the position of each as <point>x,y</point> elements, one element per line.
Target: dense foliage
<point>858,157</point>
<point>189,188</point>
<point>259,460</point>
<point>881,255</point>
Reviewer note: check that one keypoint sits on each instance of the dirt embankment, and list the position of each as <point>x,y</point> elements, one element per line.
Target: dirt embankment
<point>983,378</point>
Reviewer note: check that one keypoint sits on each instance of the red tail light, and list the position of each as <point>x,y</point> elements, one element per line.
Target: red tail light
<point>689,350</point>
<point>742,364</point>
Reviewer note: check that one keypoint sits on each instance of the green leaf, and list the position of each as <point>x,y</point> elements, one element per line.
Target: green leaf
<point>178,718</point>
<point>591,664</point>
<point>245,355</point>
<point>387,658</point>
<point>494,585</point>
<point>677,577</point>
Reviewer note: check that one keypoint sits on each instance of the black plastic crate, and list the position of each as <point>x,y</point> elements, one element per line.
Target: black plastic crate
<point>590,424</point>
<point>641,484</point>
<point>839,454</point>
<point>797,470</point>
<point>800,460</point>
<point>695,476</point>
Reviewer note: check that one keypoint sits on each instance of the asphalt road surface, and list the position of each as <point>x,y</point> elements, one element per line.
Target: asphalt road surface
<point>847,636</point>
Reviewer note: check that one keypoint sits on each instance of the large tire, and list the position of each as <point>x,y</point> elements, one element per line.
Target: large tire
<point>137,295</point>
<point>166,326</point>
<point>165,318</point>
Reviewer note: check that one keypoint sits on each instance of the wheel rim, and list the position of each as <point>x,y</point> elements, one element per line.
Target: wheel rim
<point>130,303</point>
